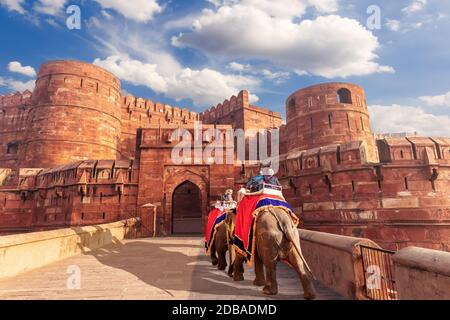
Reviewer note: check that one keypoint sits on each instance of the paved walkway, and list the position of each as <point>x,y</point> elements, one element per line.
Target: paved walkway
<point>159,268</point>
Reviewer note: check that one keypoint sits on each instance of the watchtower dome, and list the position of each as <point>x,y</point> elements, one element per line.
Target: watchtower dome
<point>325,114</point>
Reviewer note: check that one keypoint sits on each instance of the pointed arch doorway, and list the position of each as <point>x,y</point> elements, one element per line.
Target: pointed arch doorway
<point>186,209</point>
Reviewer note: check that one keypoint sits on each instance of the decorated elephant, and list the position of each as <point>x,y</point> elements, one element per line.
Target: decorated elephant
<point>276,238</point>
<point>220,232</point>
<point>223,242</point>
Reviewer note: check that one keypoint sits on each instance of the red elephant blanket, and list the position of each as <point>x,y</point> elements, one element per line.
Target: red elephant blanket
<point>247,212</point>
<point>215,218</point>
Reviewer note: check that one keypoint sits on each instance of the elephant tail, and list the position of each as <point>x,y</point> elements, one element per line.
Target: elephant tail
<point>288,230</point>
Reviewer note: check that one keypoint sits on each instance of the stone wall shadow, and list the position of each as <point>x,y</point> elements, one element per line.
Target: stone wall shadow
<point>160,263</point>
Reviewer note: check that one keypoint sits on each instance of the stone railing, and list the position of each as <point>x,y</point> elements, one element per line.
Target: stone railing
<point>336,261</point>
<point>24,252</point>
<point>422,274</point>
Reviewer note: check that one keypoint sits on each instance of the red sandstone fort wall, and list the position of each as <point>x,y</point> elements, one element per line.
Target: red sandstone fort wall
<point>14,109</point>
<point>96,157</point>
<point>238,113</point>
<point>399,202</point>
<point>137,113</point>
<point>75,115</point>
<point>160,176</point>
<point>81,193</point>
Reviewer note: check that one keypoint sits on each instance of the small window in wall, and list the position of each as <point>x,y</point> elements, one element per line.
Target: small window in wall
<point>401,154</point>
<point>292,105</point>
<point>344,96</point>
<point>362,124</point>
<point>12,148</point>
<point>406,183</point>
<point>310,189</point>
<point>330,120</point>
<point>338,155</point>
<point>310,102</point>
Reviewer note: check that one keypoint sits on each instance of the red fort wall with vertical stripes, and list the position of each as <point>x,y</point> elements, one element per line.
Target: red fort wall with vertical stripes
<point>75,151</point>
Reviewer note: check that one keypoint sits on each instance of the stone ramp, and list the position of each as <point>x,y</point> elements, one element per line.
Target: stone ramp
<point>157,268</point>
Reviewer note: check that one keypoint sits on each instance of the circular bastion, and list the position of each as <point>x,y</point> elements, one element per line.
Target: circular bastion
<point>75,115</point>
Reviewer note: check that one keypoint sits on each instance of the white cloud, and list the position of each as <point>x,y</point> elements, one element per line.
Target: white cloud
<point>325,6</point>
<point>93,22</point>
<point>415,6</point>
<point>50,7</point>
<point>397,118</point>
<point>204,87</point>
<point>437,101</point>
<point>15,66</point>
<point>283,8</point>
<point>14,5</point>
<point>138,10</point>
<point>278,77</point>
<point>235,66</point>
<point>52,22</point>
<point>17,85</point>
<point>328,46</point>
<point>134,72</point>
<point>393,25</point>
<point>106,14</point>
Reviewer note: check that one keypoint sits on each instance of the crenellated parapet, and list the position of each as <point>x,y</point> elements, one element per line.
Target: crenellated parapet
<point>216,113</point>
<point>134,107</point>
<point>16,99</point>
<point>238,112</point>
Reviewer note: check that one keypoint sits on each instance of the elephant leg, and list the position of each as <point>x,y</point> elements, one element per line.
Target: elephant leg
<point>238,268</point>
<point>232,254</point>
<point>214,259</point>
<point>309,291</point>
<point>259,271</point>
<point>271,286</point>
<point>222,259</point>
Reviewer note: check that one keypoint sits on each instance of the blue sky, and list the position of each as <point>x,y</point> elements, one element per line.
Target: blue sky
<point>197,53</point>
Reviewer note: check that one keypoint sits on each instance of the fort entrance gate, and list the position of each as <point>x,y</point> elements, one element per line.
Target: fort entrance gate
<point>186,209</point>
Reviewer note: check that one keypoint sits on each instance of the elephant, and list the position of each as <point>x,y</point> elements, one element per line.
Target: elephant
<point>223,242</point>
<point>277,239</point>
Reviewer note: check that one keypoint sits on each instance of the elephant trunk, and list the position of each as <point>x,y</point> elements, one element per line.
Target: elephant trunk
<point>289,232</point>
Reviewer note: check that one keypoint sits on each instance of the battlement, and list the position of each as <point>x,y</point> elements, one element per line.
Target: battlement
<point>15,99</point>
<point>77,173</point>
<point>432,150</point>
<point>238,112</point>
<point>229,105</point>
<point>150,108</point>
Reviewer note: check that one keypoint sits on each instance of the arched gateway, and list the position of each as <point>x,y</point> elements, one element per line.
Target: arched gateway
<point>186,209</point>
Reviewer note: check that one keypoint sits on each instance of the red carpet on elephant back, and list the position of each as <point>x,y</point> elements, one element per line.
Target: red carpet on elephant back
<point>215,218</point>
<point>247,211</point>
